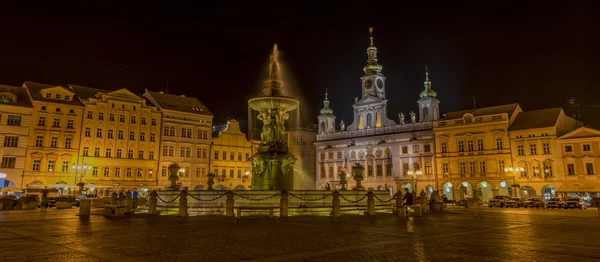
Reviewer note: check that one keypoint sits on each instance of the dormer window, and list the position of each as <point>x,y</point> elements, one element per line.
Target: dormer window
<point>48,95</point>
<point>8,97</point>
<point>57,96</point>
<point>67,98</point>
<point>43,108</point>
<point>58,110</point>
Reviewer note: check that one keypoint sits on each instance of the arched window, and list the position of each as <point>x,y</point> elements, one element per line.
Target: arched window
<point>378,119</point>
<point>361,125</point>
<point>461,146</point>
<point>425,114</point>
<point>323,127</point>
<point>369,120</point>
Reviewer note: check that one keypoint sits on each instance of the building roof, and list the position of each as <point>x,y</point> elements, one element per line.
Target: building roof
<point>35,88</point>
<point>485,111</point>
<point>179,103</point>
<point>85,92</point>
<point>536,119</point>
<point>21,94</point>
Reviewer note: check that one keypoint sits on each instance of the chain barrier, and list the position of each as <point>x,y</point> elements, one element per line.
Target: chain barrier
<point>385,201</point>
<point>352,201</point>
<point>310,199</point>
<point>207,200</point>
<point>170,201</point>
<point>256,199</point>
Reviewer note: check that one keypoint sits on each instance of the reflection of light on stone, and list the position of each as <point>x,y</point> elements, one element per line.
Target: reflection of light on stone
<point>484,184</point>
<point>449,184</point>
<point>503,183</point>
<point>447,189</point>
<point>410,226</point>
<point>2,175</point>
<point>465,184</point>
<point>525,191</point>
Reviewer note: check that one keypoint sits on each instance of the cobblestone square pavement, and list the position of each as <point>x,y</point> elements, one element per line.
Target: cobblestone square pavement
<point>457,234</point>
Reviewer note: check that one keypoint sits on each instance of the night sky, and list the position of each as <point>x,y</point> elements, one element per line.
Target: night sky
<point>533,54</point>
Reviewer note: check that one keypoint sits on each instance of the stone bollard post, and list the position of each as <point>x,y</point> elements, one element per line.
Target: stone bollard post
<point>183,204</point>
<point>336,204</point>
<point>128,203</point>
<point>283,204</point>
<point>229,204</point>
<point>424,205</point>
<point>113,198</point>
<point>153,202</point>
<point>399,205</point>
<point>85,207</point>
<point>370,203</point>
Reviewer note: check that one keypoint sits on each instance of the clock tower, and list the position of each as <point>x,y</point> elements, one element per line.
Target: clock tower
<point>373,82</point>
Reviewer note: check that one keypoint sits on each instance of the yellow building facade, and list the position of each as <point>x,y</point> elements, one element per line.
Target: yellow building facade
<point>54,136</point>
<point>580,151</point>
<point>472,151</point>
<point>230,158</point>
<point>119,139</point>
<point>185,138</point>
<point>15,123</point>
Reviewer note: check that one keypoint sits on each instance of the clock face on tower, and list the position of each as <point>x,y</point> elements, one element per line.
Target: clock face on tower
<point>368,84</point>
<point>379,83</point>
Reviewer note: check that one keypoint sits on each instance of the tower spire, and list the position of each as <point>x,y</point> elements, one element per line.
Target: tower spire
<point>427,92</point>
<point>326,110</point>
<point>372,67</point>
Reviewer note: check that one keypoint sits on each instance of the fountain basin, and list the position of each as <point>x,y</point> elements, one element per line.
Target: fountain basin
<point>273,102</point>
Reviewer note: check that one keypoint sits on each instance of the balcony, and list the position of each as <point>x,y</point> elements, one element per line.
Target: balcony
<point>377,131</point>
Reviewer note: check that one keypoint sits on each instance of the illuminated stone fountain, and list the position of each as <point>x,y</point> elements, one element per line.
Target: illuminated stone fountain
<point>272,165</point>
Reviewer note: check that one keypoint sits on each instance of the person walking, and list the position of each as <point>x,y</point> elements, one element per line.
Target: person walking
<point>45,198</point>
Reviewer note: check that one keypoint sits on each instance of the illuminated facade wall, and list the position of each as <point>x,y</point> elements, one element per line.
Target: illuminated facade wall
<point>230,154</point>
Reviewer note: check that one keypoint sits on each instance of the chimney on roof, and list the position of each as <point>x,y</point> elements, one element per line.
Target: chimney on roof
<point>161,92</point>
<point>182,95</point>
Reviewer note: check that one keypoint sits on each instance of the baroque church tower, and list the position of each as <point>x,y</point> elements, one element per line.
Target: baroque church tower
<point>371,110</point>
<point>326,118</point>
<point>429,105</point>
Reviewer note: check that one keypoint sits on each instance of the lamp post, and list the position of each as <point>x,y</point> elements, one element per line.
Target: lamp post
<point>245,176</point>
<point>77,168</point>
<point>514,171</point>
<point>414,174</point>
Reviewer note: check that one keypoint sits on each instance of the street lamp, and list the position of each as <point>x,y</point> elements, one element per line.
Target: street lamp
<point>182,171</point>
<point>77,168</point>
<point>245,177</point>
<point>415,174</point>
<point>514,171</point>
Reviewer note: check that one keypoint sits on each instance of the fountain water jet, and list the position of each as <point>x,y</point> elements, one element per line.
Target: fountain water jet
<point>272,165</point>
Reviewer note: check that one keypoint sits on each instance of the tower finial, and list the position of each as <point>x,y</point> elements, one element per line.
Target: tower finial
<point>371,35</point>
<point>426,74</point>
<point>326,110</point>
<point>326,95</point>
<point>427,91</point>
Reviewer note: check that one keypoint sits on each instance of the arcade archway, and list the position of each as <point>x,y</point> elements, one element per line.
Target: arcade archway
<point>527,192</point>
<point>447,191</point>
<point>485,191</point>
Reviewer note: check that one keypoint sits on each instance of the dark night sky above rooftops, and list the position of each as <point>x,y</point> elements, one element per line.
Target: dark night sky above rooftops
<point>536,54</point>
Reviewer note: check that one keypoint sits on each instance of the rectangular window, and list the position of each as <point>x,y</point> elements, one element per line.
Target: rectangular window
<point>86,151</point>
<point>587,147</point>
<point>106,172</point>
<point>568,149</point>
<point>121,135</point>
<point>11,141</point>
<point>68,141</point>
<point>65,166</point>
<point>143,120</point>
<point>122,118</point>
<point>498,143</point>
<point>472,167</point>
<point>444,147</point>
<point>57,96</point>
<point>461,146</point>
<point>88,132</point>
<point>165,151</point>
<point>404,150</point>
<point>188,152</point>
<point>111,117</point>
<point>129,153</point>
<point>13,121</point>
<point>323,171</point>
<point>128,172</point>
<point>415,149</point>
<point>247,157</point>
<point>133,120</point>
<point>369,170</point>
<point>163,171</point>
<point>482,167</point>
<point>99,132</point>
<point>331,172</point>
<point>480,144</point>
<point>166,131</point>
<point>463,167</point>
<point>54,141</point>
<point>224,155</point>
<point>151,156</point>
<point>48,95</point>
<point>131,135</point>
<point>339,155</point>
<point>154,121</point>
<point>330,154</point>
<point>231,156</point>
<point>42,121</point>
<point>8,162</point>
<point>152,137</point>
<point>97,151</point>
<point>110,133</point>
<point>139,173</point>
<point>520,150</point>
<point>117,172</point>
<point>141,154</point>
<point>536,170</point>
<point>470,145</point>
<point>428,168</point>
<point>101,116</point>
<point>546,148</point>
<point>445,168</point>
<point>95,171</point>
<point>379,170</point>
<point>183,132</point>
<point>589,168</point>
<point>231,173</point>
<point>533,149</point>
<point>39,140</point>
<point>217,155</point>
<point>405,168</point>
<point>171,150</point>
<point>142,136</point>
<point>108,152</point>
<point>36,165</point>
<point>548,169</point>
<point>89,115</point>
<point>119,153</point>
<point>150,173</point>
<point>388,168</point>
<point>182,152</point>
<point>427,149</point>
<point>501,166</point>
<point>239,174</point>
<point>70,123</point>
<point>239,156</point>
<point>56,122</point>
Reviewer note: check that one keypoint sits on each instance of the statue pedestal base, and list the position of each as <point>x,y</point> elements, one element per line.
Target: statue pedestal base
<point>272,168</point>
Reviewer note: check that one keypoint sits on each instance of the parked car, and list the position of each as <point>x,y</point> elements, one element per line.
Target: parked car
<point>554,202</point>
<point>532,202</point>
<point>575,203</point>
<point>515,202</point>
<point>498,201</point>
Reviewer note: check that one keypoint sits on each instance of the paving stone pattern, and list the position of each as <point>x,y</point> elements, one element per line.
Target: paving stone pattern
<point>456,234</point>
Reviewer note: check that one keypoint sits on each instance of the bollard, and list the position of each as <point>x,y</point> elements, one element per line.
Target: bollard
<point>85,207</point>
<point>370,203</point>
<point>424,206</point>
<point>113,198</point>
<point>229,204</point>
<point>153,202</point>
<point>283,204</point>
<point>183,203</point>
<point>399,207</point>
<point>336,204</point>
